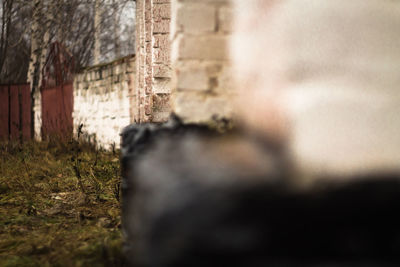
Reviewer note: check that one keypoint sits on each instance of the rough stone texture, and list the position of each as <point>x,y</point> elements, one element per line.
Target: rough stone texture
<point>193,79</point>
<point>197,18</point>
<point>105,100</point>
<point>201,108</point>
<point>225,17</point>
<point>208,47</point>
<point>153,66</point>
<point>200,33</point>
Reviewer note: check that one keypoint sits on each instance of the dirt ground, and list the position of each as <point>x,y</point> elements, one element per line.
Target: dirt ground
<point>59,205</point>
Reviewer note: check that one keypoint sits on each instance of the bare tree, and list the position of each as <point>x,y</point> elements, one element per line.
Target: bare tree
<point>117,28</point>
<point>97,31</point>
<point>29,26</point>
<point>13,40</point>
<point>6,16</point>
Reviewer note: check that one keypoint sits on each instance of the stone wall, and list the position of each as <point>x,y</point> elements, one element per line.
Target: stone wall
<point>103,97</point>
<point>195,55</point>
<point>200,33</point>
<point>153,64</point>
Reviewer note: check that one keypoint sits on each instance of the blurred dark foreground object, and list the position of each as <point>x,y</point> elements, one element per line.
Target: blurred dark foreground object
<point>193,197</point>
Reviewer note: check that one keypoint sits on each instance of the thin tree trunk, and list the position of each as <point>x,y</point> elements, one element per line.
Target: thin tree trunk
<point>117,30</point>
<point>34,63</point>
<point>7,8</point>
<point>48,16</point>
<point>97,19</point>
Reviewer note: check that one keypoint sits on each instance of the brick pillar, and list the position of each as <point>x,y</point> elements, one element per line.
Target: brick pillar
<point>161,60</point>
<point>148,73</point>
<point>139,60</point>
<point>203,88</point>
<point>153,60</point>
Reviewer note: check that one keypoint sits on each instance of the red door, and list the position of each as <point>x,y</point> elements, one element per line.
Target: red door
<point>15,112</point>
<point>57,106</point>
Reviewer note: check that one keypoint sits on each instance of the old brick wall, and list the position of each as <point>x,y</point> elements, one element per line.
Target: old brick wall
<point>153,60</point>
<point>103,97</point>
<point>200,32</point>
<point>195,54</point>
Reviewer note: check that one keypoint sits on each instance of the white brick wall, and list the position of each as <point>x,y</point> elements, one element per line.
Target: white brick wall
<point>200,57</point>
<point>103,105</point>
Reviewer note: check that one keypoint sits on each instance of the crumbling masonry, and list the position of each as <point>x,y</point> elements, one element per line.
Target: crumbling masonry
<point>153,61</point>
<point>183,62</point>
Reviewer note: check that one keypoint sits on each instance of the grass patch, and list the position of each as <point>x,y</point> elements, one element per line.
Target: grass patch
<point>51,217</point>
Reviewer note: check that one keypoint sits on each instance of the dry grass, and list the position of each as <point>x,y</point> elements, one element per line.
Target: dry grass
<point>49,217</point>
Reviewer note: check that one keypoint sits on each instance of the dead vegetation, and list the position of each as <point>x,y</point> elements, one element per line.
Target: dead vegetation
<point>59,205</point>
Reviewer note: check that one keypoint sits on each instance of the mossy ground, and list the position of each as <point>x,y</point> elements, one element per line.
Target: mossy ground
<point>51,217</point>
